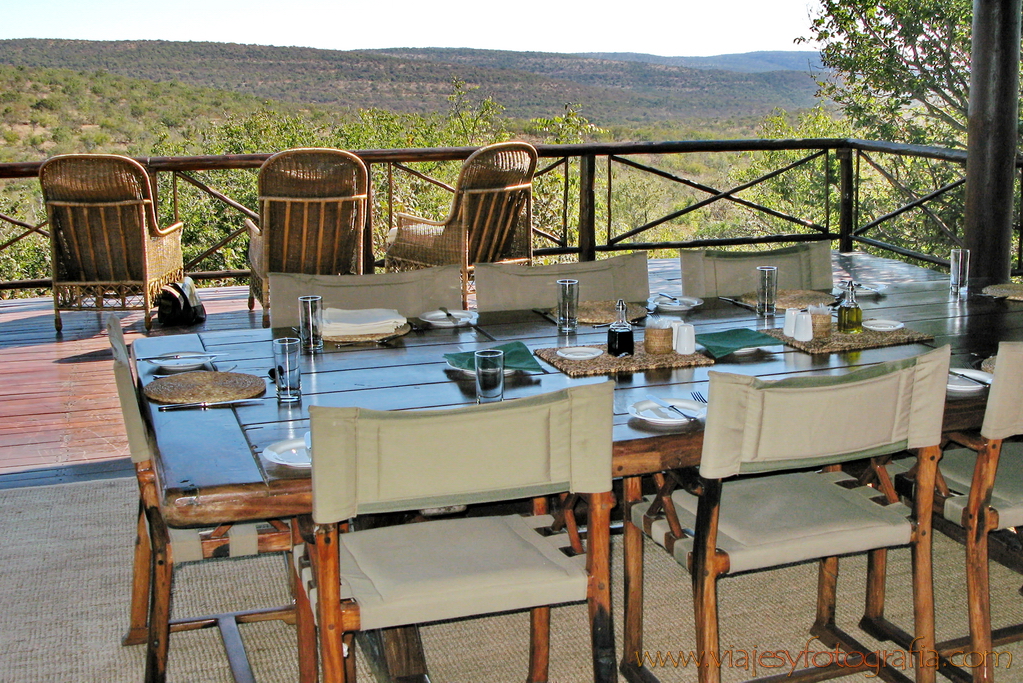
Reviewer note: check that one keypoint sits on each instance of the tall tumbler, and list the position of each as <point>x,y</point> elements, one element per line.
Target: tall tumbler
<point>959,262</point>
<point>767,289</point>
<point>568,306</point>
<point>310,320</point>
<point>489,375</point>
<point>287,373</point>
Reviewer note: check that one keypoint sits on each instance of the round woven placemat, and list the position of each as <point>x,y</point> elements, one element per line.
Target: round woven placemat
<point>793,298</point>
<point>361,338</point>
<point>202,385</point>
<point>1010,290</point>
<point>988,364</point>
<point>603,312</point>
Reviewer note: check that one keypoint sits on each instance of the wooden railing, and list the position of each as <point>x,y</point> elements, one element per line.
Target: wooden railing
<point>582,191</point>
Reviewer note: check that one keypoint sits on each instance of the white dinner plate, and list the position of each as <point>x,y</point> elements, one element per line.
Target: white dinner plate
<point>685,303</point>
<point>188,360</point>
<point>580,352</point>
<point>648,411</point>
<point>962,385</point>
<point>440,319</point>
<point>290,452</point>
<point>879,325</point>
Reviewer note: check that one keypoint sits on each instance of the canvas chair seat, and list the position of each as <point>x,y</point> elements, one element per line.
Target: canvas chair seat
<point>508,287</point>
<point>450,568</point>
<point>1006,495</point>
<point>771,521</point>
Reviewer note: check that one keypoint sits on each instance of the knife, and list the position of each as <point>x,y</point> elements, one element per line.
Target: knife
<point>743,304</point>
<point>669,406</point>
<point>176,356</point>
<point>545,314</point>
<point>669,296</point>
<point>210,404</point>
<point>972,379</point>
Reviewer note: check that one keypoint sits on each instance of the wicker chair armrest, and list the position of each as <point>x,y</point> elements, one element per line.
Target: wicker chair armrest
<point>158,231</point>
<point>406,220</point>
<point>253,228</point>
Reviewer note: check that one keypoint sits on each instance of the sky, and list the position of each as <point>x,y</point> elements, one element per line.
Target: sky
<point>682,28</point>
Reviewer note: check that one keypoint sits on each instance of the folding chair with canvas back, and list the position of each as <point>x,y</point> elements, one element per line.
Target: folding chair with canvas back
<point>371,462</point>
<point>108,252</point>
<point>410,294</point>
<point>760,522</point>
<point>158,547</point>
<point>508,287</point>
<point>980,491</point>
<point>312,213</point>
<point>491,217</point>
<point>707,272</point>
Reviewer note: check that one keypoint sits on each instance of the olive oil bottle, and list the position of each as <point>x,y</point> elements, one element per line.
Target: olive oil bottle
<point>850,315</point>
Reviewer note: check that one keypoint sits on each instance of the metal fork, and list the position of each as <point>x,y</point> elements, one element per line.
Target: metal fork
<point>699,398</point>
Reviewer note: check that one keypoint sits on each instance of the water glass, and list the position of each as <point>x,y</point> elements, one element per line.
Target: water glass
<point>489,376</point>
<point>767,289</point>
<point>959,262</point>
<point>310,319</point>
<point>287,373</point>
<point>568,305</point>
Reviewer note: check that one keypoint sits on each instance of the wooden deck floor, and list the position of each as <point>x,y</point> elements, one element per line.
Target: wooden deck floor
<point>59,415</point>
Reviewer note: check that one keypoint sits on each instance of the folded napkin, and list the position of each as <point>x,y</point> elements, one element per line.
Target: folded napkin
<point>516,357</point>
<point>720,344</point>
<point>338,322</point>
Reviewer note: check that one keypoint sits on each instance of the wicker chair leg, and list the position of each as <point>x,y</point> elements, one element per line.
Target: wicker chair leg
<point>266,318</point>
<point>57,321</point>
<point>148,321</point>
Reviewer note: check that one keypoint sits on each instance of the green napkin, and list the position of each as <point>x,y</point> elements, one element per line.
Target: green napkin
<point>516,357</point>
<point>720,344</point>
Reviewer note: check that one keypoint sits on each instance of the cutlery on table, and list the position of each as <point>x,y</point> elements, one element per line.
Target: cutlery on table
<point>669,406</point>
<point>699,397</point>
<point>159,375</point>
<point>446,312</point>
<point>545,314</point>
<point>972,379</point>
<point>674,299</point>
<point>210,404</point>
<point>742,304</point>
<point>178,356</point>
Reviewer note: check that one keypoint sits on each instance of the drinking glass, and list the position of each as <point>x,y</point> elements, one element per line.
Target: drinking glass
<point>310,319</point>
<point>568,305</point>
<point>489,376</point>
<point>767,289</point>
<point>287,373</point>
<point>959,262</point>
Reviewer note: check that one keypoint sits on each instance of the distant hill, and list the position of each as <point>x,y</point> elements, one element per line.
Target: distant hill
<point>620,90</point>
<point>805,61</point>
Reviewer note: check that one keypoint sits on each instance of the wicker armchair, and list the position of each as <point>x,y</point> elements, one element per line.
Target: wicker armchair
<point>107,249</point>
<point>312,205</point>
<point>490,220</point>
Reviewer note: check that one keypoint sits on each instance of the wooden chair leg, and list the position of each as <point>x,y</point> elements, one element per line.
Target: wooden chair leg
<point>159,610</point>
<point>539,644</point>
<point>979,601</point>
<point>632,652</point>
<point>306,629</point>
<point>705,575</point>
<point>877,570</point>
<point>923,568</point>
<point>598,558</point>
<point>827,592</point>
<point>138,626</point>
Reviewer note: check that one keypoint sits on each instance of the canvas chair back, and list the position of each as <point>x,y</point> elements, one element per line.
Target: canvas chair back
<point>493,202</point>
<point>313,207</point>
<point>731,273</point>
<point>1003,416</point>
<point>756,425</point>
<point>508,287</point>
<point>410,293</point>
<point>135,426</point>
<point>367,461</point>
<point>101,213</point>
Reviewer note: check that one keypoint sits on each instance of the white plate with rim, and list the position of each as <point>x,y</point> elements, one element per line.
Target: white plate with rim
<point>685,303</point>
<point>879,325</point>
<point>186,360</point>
<point>962,385</point>
<point>440,318</point>
<point>648,411</point>
<point>290,452</point>
<point>580,352</point>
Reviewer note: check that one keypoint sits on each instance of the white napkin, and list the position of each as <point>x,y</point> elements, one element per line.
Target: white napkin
<point>338,322</point>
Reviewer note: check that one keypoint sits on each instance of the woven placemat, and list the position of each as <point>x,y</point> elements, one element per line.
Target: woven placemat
<point>793,298</point>
<point>202,385</point>
<point>840,341</point>
<point>1010,290</point>
<point>603,312</point>
<point>366,338</point>
<point>988,364</point>
<point>608,365</point>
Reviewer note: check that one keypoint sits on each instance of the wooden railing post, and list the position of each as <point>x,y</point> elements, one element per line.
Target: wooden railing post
<point>587,208</point>
<point>847,198</point>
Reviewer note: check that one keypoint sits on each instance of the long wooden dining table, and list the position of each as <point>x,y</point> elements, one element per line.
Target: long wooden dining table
<point>210,465</point>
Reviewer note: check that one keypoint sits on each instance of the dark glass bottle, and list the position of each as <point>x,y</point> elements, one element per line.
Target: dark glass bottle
<point>850,315</point>
<point>620,340</point>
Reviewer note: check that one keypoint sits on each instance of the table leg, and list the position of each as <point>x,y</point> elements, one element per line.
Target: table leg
<point>395,655</point>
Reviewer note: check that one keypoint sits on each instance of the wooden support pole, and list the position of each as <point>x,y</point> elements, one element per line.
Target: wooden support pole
<point>587,208</point>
